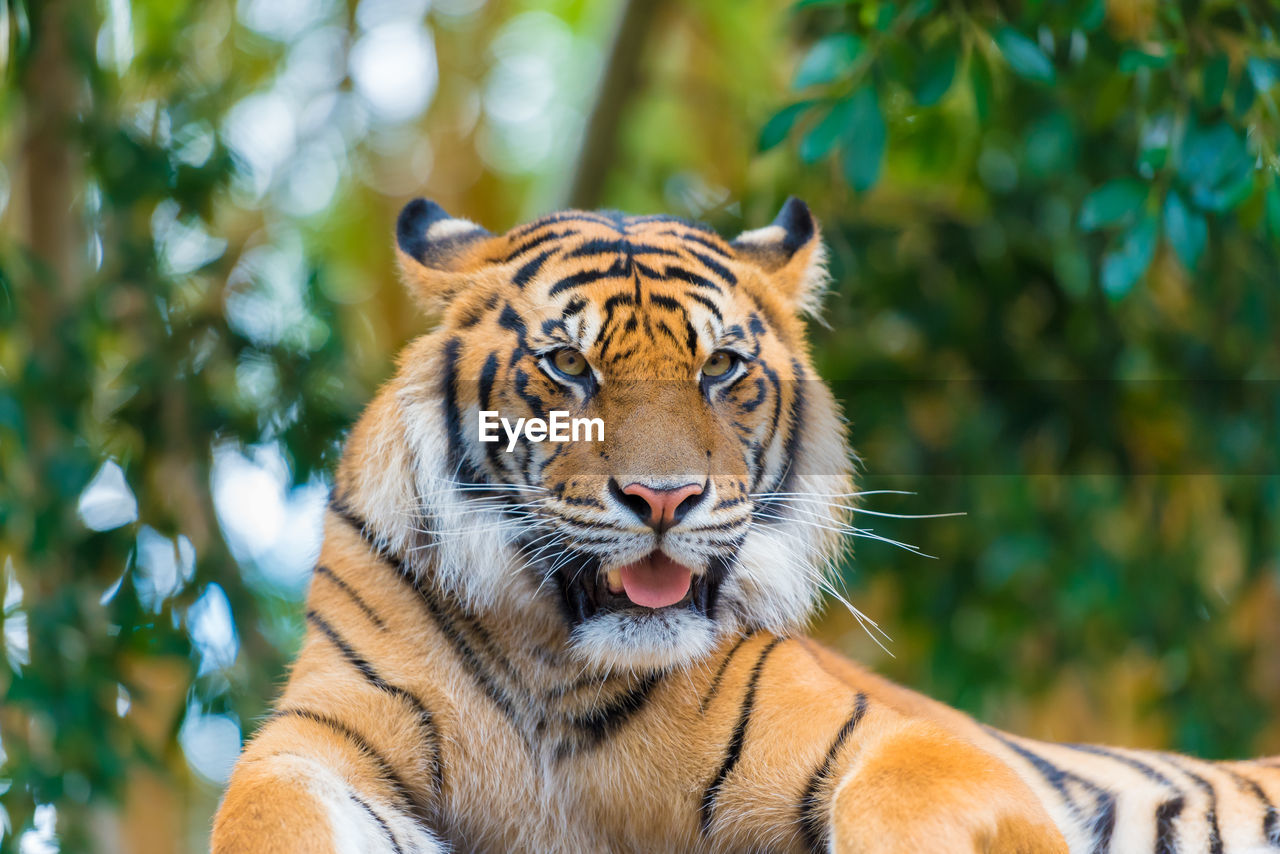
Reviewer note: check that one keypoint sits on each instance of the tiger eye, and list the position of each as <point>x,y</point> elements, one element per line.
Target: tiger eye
<point>569,362</point>
<point>718,365</point>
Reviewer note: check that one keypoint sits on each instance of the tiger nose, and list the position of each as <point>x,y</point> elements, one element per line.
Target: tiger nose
<point>659,508</point>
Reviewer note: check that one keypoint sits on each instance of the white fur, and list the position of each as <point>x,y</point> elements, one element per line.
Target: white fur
<point>451,228</point>
<point>766,236</point>
<point>622,641</point>
<point>352,827</point>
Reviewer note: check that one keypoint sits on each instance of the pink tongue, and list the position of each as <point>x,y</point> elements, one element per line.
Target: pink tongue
<point>655,582</point>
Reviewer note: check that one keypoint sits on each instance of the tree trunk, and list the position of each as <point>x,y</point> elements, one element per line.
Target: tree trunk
<point>619,82</point>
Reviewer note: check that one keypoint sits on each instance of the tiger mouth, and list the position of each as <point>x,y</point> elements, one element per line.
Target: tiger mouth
<point>648,586</point>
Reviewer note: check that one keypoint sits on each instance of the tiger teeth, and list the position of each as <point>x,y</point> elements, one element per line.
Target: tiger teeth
<point>614,579</point>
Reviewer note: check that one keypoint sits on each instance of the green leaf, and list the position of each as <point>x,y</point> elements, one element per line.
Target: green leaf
<point>936,71</point>
<point>1050,144</point>
<point>1215,165</point>
<point>827,60</point>
<point>1214,84</point>
<point>1132,59</point>
<point>1153,145</point>
<point>810,4</point>
<point>879,16</point>
<point>1273,210</point>
<point>1244,95</point>
<point>780,124</point>
<point>1263,72</point>
<point>1113,203</point>
<point>1092,15</point>
<point>1024,56</point>
<point>980,83</point>
<point>1125,265</point>
<point>823,136</point>
<point>918,9</point>
<point>864,142</point>
<point>1186,230</point>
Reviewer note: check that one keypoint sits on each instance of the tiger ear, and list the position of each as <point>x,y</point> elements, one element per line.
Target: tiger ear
<point>791,254</point>
<point>438,253</point>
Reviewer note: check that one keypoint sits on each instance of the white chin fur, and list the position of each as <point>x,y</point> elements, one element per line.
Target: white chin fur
<point>629,641</point>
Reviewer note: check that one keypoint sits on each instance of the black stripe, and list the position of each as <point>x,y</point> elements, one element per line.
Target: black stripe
<point>668,303</point>
<point>1166,840</point>
<point>812,823</point>
<point>616,270</point>
<point>673,220</point>
<point>691,278</point>
<point>535,403</point>
<point>1270,820</point>
<point>488,375</point>
<point>1211,809</point>
<point>326,572</point>
<point>529,270</point>
<point>1143,768</point>
<point>458,459</point>
<point>534,244</point>
<point>563,216</point>
<point>718,248</point>
<point>670,334</point>
<point>715,266</point>
<point>509,318</point>
<point>1102,823</point>
<point>724,665</point>
<point>472,663</point>
<point>762,392</point>
<point>622,246</point>
<point>707,304</point>
<point>733,752</point>
<point>603,722</point>
<point>759,451</point>
<point>797,418</point>
<point>425,719</point>
<point>1166,813</point>
<point>470,660</point>
<point>386,828</point>
<point>385,772</point>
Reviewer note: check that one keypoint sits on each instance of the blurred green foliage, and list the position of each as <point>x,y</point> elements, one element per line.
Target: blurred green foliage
<point>1056,311</point>
<point>1054,232</point>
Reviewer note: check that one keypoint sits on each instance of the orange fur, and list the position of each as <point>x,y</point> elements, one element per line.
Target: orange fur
<point>447,697</point>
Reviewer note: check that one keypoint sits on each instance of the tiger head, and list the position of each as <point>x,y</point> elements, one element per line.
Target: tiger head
<point>703,494</point>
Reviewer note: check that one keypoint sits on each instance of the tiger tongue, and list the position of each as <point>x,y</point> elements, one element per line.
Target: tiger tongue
<point>655,582</point>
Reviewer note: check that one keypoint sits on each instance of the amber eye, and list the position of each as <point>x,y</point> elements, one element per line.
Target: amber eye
<point>720,363</point>
<point>571,363</point>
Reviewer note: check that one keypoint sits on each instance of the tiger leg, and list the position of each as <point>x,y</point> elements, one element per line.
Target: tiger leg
<point>317,793</point>
<point>920,788</point>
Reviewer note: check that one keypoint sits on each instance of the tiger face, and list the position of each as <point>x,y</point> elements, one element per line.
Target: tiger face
<point>711,501</point>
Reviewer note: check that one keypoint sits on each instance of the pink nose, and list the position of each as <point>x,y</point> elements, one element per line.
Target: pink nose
<point>665,507</point>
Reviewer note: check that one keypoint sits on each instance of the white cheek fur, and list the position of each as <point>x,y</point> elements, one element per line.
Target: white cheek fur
<point>774,584</point>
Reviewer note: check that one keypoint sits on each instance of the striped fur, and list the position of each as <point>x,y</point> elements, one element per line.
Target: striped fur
<point>467,684</point>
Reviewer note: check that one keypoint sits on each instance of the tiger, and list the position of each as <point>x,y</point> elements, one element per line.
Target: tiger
<point>598,646</point>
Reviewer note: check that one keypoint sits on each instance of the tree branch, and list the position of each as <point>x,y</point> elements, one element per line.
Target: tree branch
<point>619,83</point>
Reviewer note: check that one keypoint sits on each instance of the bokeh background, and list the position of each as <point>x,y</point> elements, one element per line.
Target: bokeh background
<point>1055,235</point>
